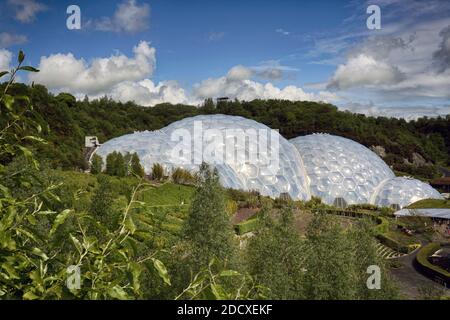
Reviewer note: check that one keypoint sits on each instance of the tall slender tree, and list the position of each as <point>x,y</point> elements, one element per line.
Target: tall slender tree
<point>111,163</point>
<point>136,167</point>
<point>275,254</point>
<point>97,164</point>
<point>208,227</point>
<point>120,167</point>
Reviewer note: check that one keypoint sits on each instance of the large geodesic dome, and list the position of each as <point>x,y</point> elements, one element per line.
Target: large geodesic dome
<point>271,165</point>
<point>400,192</point>
<point>341,171</point>
<point>338,170</point>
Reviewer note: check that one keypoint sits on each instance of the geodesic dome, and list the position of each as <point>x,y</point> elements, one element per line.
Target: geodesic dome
<point>341,171</point>
<point>400,192</point>
<point>338,170</point>
<point>262,173</point>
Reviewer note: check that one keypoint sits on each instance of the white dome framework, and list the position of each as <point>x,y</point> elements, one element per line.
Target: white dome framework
<point>338,170</point>
<point>288,176</point>
<point>341,171</point>
<point>400,192</point>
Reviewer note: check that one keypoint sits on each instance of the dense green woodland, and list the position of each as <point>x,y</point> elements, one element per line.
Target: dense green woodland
<point>70,121</point>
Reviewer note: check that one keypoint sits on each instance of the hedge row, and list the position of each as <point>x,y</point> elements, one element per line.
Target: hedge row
<point>429,269</point>
<point>246,226</point>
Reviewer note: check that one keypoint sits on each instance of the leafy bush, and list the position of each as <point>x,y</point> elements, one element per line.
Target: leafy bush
<point>157,172</point>
<point>182,176</point>
<point>247,226</point>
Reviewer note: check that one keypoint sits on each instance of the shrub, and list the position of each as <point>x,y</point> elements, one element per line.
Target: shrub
<point>136,167</point>
<point>231,207</point>
<point>182,176</point>
<point>157,172</point>
<point>247,226</point>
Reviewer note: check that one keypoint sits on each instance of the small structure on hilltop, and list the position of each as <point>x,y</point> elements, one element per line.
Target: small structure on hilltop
<point>91,145</point>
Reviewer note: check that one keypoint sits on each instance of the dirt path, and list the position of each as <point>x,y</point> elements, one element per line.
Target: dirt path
<point>243,214</point>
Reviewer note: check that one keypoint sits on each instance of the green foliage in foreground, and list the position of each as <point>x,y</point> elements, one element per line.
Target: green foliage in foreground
<point>42,246</point>
<point>208,228</point>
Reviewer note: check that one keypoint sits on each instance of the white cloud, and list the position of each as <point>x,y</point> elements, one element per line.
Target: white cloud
<point>407,113</point>
<point>5,60</point>
<point>283,32</point>
<point>64,72</point>
<point>237,84</point>
<point>403,66</point>
<point>239,72</point>
<point>9,39</point>
<point>129,17</point>
<point>215,36</point>
<point>441,56</point>
<point>120,77</point>
<point>147,93</point>
<point>364,70</point>
<point>26,10</point>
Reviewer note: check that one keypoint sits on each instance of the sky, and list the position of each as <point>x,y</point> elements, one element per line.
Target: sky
<point>154,51</point>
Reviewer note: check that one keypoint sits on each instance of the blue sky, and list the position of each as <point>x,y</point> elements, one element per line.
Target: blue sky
<point>190,50</point>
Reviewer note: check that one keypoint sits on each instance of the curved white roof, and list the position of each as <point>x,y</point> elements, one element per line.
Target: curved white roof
<point>341,168</point>
<point>333,168</point>
<point>263,173</point>
<point>402,191</point>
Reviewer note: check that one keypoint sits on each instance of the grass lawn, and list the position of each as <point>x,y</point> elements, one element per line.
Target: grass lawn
<point>430,204</point>
<point>168,194</point>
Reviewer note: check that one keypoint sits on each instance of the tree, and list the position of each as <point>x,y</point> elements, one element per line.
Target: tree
<point>275,255</point>
<point>127,163</point>
<point>157,171</point>
<point>208,227</point>
<point>330,263</point>
<point>97,164</point>
<point>120,167</point>
<point>101,204</point>
<point>111,163</point>
<point>364,248</point>
<point>34,261</point>
<point>136,167</point>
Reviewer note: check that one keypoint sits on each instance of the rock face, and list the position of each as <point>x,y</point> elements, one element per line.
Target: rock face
<point>417,160</point>
<point>379,151</point>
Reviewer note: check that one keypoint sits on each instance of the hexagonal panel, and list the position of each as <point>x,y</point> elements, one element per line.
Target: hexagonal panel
<point>353,170</point>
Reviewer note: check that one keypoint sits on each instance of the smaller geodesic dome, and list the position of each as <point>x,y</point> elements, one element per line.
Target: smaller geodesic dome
<point>341,171</point>
<point>400,192</point>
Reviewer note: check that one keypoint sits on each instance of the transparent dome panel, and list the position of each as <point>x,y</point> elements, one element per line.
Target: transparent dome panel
<point>340,168</point>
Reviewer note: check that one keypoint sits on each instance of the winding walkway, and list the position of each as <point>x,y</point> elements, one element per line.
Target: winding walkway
<point>410,280</point>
